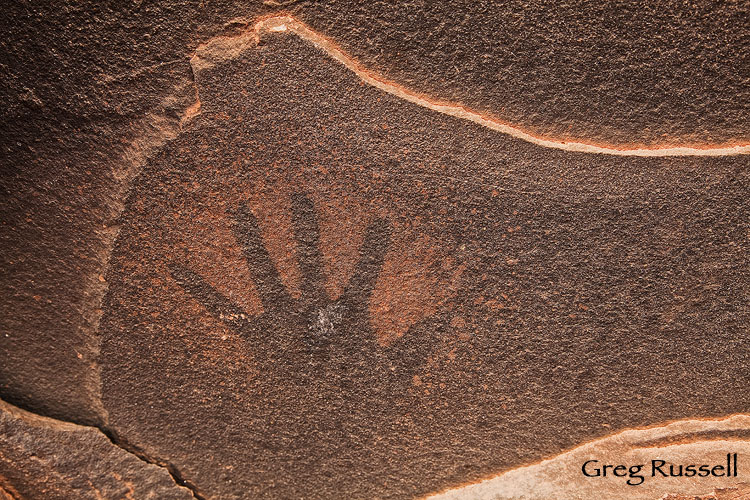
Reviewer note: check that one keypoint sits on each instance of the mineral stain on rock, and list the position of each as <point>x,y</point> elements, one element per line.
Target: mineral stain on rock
<point>326,285</point>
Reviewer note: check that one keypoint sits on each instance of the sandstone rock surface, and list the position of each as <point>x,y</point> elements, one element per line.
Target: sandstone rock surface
<point>684,442</point>
<point>269,270</point>
<point>330,289</point>
<point>45,459</point>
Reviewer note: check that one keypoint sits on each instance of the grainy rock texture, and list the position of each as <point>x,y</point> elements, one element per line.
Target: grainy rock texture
<point>5,495</point>
<point>740,492</point>
<point>685,442</point>
<point>378,293</point>
<point>230,251</point>
<point>45,459</point>
<point>83,81</point>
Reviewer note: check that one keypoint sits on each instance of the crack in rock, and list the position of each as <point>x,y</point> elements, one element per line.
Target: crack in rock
<point>42,457</point>
<point>223,48</point>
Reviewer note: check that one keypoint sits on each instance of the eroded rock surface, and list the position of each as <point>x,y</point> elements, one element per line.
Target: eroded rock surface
<point>321,290</point>
<point>741,492</point>
<point>45,459</point>
<point>686,442</point>
<point>332,292</point>
<point>89,85</point>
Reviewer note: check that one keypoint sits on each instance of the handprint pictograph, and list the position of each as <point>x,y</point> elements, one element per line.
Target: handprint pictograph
<point>315,351</point>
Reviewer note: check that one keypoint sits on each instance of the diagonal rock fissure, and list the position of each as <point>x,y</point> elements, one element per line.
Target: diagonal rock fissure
<point>145,136</point>
<point>116,440</point>
<point>139,453</point>
<point>9,493</point>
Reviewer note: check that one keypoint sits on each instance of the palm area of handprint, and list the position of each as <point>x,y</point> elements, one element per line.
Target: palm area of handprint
<point>313,344</point>
<point>288,320</point>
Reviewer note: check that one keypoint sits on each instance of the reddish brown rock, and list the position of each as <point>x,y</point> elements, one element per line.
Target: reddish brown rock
<point>531,298</point>
<point>45,459</point>
<point>741,492</point>
<point>314,288</point>
<point>710,442</point>
<point>80,105</point>
<point>5,495</point>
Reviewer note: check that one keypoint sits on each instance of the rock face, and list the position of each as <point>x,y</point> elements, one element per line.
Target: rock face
<point>335,277</point>
<point>741,492</point>
<point>680,443</point>
<point>46,459</point>
<point>361,250</point>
